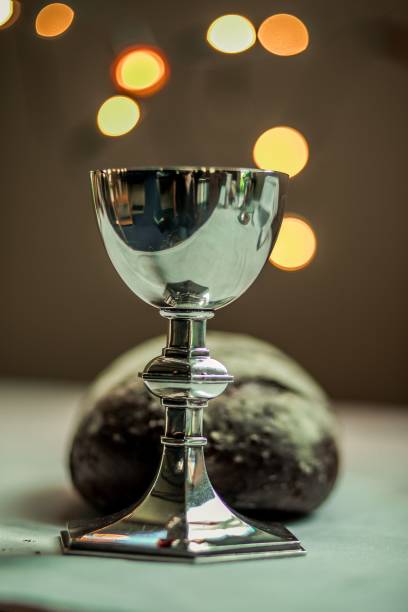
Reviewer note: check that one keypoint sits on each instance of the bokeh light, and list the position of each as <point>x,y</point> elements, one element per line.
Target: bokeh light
<point>295,246</point>
<point>53,20</point>
<point>6,11</point>
<point>231,34</point>
<point>141,70</point>
<point>117,116</point>
<point>15,14</point>
<point>283,149</point>
<point>283,35</point>
<point>9,13</point>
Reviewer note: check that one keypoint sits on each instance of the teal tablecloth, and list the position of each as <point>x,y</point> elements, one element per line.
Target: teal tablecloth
<point>357,542</point>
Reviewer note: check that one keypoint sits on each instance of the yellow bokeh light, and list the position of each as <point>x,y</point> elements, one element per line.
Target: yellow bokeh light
<point>117,116</point>
<point>54,19</point>
<point>231,34</point>
<point>283,149</point>
<point>6,11</point>
<point>283,35</point>
<point>9,13</point>
<point>295,246</point>
<point>141,70</point>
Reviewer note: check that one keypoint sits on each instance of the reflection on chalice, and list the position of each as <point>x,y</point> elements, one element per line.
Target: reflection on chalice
<point>188,241</point>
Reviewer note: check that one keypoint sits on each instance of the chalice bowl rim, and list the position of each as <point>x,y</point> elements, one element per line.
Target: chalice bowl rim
<point>236,253</point>
<point>186,168</point>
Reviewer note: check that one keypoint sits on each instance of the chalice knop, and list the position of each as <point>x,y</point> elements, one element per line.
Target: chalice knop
<point>187,241</point>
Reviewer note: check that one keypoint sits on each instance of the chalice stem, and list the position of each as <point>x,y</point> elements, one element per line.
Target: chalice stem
<point>181,517</point>
<point>187,332</point>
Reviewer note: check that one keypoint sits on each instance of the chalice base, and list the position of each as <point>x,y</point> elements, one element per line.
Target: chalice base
<point>180,519</point>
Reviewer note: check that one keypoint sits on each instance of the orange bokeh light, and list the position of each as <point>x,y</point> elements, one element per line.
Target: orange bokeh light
<point>141,70</point>
<point>53,20</point>
<point>281,148</point>
<point>283,35</point>
<point>296,244</point>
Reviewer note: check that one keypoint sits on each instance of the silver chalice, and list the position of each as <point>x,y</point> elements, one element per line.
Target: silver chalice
<point>187,241</point>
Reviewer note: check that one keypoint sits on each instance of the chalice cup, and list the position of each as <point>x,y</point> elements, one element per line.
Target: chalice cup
<point>187,241</point>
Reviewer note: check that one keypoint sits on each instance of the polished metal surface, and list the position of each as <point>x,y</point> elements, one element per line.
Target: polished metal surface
<point>188,237</point>
<point>181,518</point>
<point>188,241</point>
<point>185,368</point>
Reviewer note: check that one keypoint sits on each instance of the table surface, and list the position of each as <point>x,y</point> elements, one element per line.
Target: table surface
<point>357,542</point>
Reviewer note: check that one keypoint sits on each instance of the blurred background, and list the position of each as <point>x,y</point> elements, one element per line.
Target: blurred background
<point>318,89</point>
